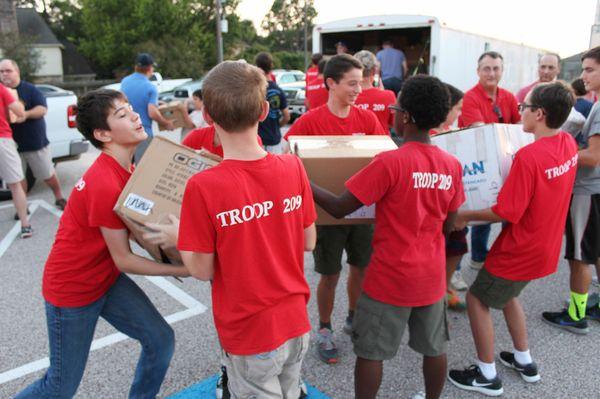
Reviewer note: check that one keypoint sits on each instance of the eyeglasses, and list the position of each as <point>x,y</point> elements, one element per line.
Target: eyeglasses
<point>533,107</point>
<point>498,113</point>
<point>398,108</point>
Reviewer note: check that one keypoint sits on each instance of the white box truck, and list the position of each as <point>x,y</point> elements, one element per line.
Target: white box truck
<point>431,47</point>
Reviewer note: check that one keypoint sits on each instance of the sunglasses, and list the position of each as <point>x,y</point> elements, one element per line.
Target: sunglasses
<point>498,113</point>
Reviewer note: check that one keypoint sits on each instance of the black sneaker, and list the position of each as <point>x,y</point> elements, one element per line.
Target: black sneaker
<point>348,326</point>
<point>563,320</point>
<point>593,313</point>
<point>471,379</point>
<point>26,231</point>
<point>222,392</point>
<point>528,372</point>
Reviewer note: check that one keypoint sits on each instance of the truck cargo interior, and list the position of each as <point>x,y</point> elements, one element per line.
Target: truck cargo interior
<point>414,42</point>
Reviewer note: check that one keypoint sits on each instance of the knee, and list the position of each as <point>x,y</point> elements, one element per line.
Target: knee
<point>330,281</point>
<point>162,343</point>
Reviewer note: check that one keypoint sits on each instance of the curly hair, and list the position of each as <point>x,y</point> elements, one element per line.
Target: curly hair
<point>426,99</point>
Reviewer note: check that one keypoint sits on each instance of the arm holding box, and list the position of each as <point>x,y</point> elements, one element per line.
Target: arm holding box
<point>337,206</point>
<point>200,265</point>
<point>484,215</point>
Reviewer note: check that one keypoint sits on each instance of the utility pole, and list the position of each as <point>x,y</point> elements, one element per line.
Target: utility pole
<point>219,33</point>
<point>305,36</point>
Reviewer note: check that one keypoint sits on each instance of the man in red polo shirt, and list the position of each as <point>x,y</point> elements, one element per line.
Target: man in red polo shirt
<point>548,70</point>
<point>343,74</point>
<point>486,102</point>
<point>316,92</point>
<point>372,98</point>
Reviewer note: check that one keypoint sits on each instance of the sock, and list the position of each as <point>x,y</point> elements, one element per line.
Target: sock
<point>487,369</point>
<point>523,358</point>
<point>324,325</point>
<point>350,313</point>
<point>577,305</point>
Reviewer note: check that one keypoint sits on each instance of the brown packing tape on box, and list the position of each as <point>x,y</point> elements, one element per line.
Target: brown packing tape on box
<point>331,160</point>
<point>172,111</point>
<point>155,190</point>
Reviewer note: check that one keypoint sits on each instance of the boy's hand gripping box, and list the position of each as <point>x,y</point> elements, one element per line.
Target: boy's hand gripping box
<point>486,154</point>
<point>331,160</point>
<point>156,189</point>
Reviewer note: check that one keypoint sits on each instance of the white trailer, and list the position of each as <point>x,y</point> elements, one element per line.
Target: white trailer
<point>431,48</point>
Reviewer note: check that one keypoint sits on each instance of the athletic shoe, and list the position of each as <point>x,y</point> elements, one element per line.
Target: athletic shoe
<point>473,264</point>
<point>26,231</point>
<point>348,326</point>
<point>419,395</point>
<point>222,392</point>
<point>303,390</point>
<point>16,217</point>
<point>61,204</point>
<point>471,379</point>
<point>563,320</point>
<point>454,301</point>
<point>326,347</point>
<point>593,300</point>
<point>595,281</point>
<point>593,313</point>
<point>528,372</point>
<point>457,281</point>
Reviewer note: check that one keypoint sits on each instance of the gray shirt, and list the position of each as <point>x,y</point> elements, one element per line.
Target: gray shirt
<point>588,178</point>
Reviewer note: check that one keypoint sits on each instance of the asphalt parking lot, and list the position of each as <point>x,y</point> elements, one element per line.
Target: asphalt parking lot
<point>568,363</point>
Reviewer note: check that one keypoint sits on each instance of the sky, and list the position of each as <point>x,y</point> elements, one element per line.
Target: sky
<point>556,25</point>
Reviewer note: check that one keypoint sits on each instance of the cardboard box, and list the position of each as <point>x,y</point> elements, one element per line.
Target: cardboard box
<point>331,160</point>
<point>174,112</point>
<point>156,189</point>
<point>486,154</point>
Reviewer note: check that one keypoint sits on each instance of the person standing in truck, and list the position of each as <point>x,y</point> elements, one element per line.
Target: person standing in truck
<point>393,66</point>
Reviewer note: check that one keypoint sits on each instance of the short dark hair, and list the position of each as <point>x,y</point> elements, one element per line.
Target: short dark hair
<point>321,66</point>
<point>264,61</point>
<point>579,87</point>
<point>455,94</point>
<point>592,53</point>
<point>92,112</point>
<point>316,57</point>
<point>426,99</point>
<point>338,65</point>
<point>197,93</point>
<point>491,54</point>
<point>556,99</point>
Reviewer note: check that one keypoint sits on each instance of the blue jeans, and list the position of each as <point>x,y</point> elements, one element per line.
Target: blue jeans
<point>71,330</point>
<point>479,240</point>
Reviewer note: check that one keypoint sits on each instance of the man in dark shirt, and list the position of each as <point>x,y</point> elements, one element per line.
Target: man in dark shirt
<point>30,134</point>
<point>279,115</point>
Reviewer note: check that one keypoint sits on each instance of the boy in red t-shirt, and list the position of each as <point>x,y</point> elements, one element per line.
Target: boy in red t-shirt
<point>250,240</point>
<point>84,277</point>
<point>316,93</point>
<point>343,74</point>
<point>417,190</point>
<point>207,138</point>
<point>533,204</point>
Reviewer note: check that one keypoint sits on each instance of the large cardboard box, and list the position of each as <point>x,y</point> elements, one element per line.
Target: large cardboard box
<point>156,189</point>
<point>486,154</point>
<point>331,160</point>
<point>173,111</point>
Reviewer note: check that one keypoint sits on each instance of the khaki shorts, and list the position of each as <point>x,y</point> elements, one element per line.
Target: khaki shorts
<point>333,240</point>
<point>40,162</point>
<point>269,375</point>
<point>378,328</point>
<point>10,162</point>
<point>495,292</point>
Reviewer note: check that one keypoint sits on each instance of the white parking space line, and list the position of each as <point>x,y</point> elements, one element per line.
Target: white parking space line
<point>193,306</point>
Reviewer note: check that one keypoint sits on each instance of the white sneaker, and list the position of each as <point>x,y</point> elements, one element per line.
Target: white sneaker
<point>457,281</point>
<point>475,265</point>
<point>419,395</point>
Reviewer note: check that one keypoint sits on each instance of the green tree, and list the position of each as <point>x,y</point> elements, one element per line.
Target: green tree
<point>19,48</point>
<point>285,24</point>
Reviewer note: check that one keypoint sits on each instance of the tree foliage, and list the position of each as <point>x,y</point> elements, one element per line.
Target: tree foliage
<point>285,24</point>
<point>19,48</point>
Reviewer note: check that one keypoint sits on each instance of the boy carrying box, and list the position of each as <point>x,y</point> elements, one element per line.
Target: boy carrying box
<point>84,277</point>
<point>245,225</point>
<point>417,190</point>
<point>533,202</point>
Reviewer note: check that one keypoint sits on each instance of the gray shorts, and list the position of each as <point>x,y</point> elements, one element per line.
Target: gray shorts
<point>378,328</point>
<point>10,162</point>
<point>267,375</point>
<point>40,162</point>
<point>495,292</point>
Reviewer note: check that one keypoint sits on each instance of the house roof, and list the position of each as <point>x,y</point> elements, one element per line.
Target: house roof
<point>73,62</point>
<point>31,23</point>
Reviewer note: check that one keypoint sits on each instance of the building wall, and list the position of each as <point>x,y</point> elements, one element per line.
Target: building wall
<point>51,60</point>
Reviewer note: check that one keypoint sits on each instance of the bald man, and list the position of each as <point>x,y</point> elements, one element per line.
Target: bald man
<point>548,70</point>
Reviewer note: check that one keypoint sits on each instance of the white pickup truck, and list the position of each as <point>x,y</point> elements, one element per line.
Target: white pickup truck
<point>66,143</point>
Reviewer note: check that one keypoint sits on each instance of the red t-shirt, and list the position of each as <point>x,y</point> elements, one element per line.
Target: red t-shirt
<point>534,199</point>
<point>204,137</point>
<point>321,122</point>
<point>6,98</point>
<point>521,94</point>
<point>414,188</point>
<point>79,269</point>
<point>479,107</point>
<point>255,226</point>
<point>316,93</point>
<point>311,73</point>
<point>378,101</point>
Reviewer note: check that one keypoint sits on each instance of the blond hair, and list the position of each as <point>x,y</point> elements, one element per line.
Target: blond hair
<point>234,93</point>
